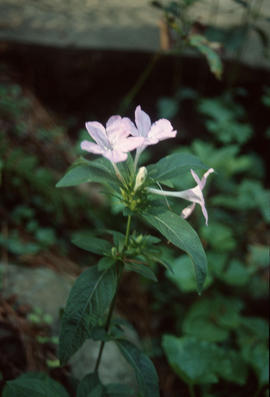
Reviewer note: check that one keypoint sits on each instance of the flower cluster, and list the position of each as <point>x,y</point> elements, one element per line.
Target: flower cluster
<point>121,136</point>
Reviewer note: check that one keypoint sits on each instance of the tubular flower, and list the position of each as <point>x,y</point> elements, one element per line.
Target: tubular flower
<point>113,142</point>
<point>194,195</point>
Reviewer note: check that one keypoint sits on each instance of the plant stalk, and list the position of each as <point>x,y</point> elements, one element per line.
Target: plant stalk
<point>127,230</point>
<point>109,318</point>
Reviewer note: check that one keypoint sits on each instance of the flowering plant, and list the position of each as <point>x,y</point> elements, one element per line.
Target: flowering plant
<point>89,309</point>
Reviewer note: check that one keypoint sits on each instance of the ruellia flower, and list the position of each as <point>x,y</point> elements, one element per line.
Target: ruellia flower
<point>151,133</point>
<point>113,142</point>
<point>195,195</point>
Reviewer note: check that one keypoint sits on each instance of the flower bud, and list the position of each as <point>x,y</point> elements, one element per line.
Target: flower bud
<point>140,178</point>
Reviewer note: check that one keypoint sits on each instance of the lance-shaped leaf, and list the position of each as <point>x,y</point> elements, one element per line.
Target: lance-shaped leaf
<point>88,242</point>
<point>83,171</point>
<point>89,299</point>
<point>181,234</point>
<point>145,371</point>
<point>169,168</point>
<point>34,384</point>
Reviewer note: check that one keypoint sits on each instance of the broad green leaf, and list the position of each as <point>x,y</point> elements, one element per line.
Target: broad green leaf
<point>219,237</point>
<point>171,167</point>
<point>217,313</point>
<point>181,234</point>
<point>83,171</point>
<point>183,274</point>
<point>143,270</point>
<point>200,362</point>
<point>145,371</point>
<point>191,359</point>
<point>236,273</point>
<point>90,243</point>
<point>90,386</point>
<point>87,303</point>
<point>231,367</point>
<point>34,384</point>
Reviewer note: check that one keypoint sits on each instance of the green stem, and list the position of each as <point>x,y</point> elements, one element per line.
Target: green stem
<point>109,318</point>
<point>191,390</point>
<point>127,230</point>
<point>107,327</point>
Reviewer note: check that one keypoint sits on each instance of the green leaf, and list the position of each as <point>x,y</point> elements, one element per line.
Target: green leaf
<point>171,167</point>
<point>236,273</point>
<point>105,263</point>
<point>253,335</point>
<point>143,270</point>
<point>87,303</point>
<point>181,234</point>
<point>119,390</point>
<point>183,274</point>
<point>217,313</point>
<point>191,359</point>
<point>145,371</point>
<point>83,171</point>
<point>34,384</point>
<point>200,362</point>
<point>90,386</point>
<point>206,48</point>
<point>90,243</point>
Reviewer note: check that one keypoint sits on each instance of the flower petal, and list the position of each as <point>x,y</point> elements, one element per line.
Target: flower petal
<point>162,129</point>
<point>117,130</point>
<point>143,121</point>
<point>115,156</point>
<point>91,147</point>
<point>112,119</point>
<point>128,144</point>
<point>205,176</point>
<point>186,212</point>
<point>98,133</point>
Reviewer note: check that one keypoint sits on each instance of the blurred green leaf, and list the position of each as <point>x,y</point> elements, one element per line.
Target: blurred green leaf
<point>34,384</point>
<point>183,274</point>
<point>209,50</point>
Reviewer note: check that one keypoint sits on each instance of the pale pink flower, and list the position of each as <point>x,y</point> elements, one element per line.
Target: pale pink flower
<point>195,195</point>
<point>113,142</point>
<point>151,133</point>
